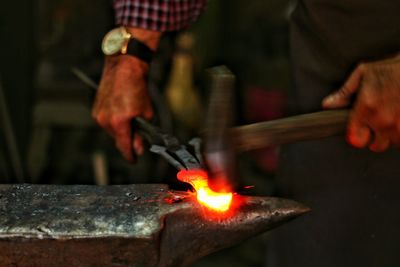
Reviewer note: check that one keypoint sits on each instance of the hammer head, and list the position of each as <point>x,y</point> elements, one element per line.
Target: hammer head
<point>218,152</point>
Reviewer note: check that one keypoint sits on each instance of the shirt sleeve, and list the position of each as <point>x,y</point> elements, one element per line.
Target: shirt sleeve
<point>158,15</point>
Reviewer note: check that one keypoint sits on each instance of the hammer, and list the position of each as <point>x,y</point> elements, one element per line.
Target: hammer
<point>223,140</point>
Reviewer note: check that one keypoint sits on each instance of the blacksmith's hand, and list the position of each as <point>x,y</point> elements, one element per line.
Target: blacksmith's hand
<point>123,95</point>
<point>375,117</point>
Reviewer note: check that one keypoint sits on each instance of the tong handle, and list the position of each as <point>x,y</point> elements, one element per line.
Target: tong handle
<point>153,134</point>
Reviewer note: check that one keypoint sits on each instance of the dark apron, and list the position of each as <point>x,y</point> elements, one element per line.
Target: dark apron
<point>354,194</point>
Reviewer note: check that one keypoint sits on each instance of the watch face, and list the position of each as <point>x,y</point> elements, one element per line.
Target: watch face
<point>114,41</point>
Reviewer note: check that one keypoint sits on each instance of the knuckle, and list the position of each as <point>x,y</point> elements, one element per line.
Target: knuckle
<point>369,102</point>
<point>100,119</point>
<point>387,121</point>
<point>95,113</point>
<point>384,121</point>
<point>358,135</point>
<point>122,143</point>
<point>344,90</point>
<point>116,121</point>
<point>363,66</point>
<point>121,150</point>
<point>95,117</point>
<point>378,148</point>
<point>124,148</point>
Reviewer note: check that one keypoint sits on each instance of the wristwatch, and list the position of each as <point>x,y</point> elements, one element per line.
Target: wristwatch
<point>120,41</point>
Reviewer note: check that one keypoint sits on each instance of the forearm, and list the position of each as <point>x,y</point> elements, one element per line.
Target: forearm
<point>123,88</point>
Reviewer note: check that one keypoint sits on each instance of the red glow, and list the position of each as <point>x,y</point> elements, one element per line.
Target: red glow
<point>199,180</point>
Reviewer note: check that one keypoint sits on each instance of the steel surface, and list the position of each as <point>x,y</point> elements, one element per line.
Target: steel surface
<point>124,225</point>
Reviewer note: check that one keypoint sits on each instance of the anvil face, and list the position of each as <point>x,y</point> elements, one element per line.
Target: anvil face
<point>124,225</point>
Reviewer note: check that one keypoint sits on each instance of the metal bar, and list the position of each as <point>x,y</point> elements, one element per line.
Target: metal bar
<point>124,225</point>
<point>84,78</point>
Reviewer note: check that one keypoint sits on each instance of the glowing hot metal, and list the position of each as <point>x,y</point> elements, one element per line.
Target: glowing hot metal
<point>219,202</point>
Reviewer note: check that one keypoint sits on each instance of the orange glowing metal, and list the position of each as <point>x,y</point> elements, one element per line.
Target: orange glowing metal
<point>219,202</point>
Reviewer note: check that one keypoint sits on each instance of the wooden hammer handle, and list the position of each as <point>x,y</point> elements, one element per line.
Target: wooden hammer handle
<point>289,130</point>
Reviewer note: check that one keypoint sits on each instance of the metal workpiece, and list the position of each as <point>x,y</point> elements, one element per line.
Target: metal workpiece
<point>124,225</point>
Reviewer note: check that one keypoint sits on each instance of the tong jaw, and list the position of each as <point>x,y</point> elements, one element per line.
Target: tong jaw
<point>179,156</point>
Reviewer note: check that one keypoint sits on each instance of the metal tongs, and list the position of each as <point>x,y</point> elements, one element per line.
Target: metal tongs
<point>169,147</point>
<point>162,143</point>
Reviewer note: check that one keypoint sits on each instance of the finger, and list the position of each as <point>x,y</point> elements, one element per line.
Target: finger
<point>383,121</point>
<point>122,135</point>
<point>100,118</point>
<point>105,124</point>
<point>137,144</point>
<point>358,134</point>
<point>380,144</point>
<point>109,125</point>
<point>341,98</point>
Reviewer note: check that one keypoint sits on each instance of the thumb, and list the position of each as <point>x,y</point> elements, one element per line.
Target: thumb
<point>341,98</point>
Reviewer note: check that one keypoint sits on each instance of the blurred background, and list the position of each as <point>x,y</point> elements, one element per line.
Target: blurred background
<point>47,134</point>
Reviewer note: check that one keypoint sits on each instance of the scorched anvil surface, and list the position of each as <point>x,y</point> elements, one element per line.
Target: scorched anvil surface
<point>124,225</point>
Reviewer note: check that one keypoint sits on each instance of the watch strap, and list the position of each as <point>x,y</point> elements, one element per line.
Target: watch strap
<point>140,50</point>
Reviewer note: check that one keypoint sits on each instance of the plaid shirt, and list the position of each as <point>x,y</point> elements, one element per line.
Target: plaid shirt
<point>158,15</point>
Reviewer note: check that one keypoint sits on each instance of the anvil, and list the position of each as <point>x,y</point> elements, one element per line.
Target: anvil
<point>124,225</point>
